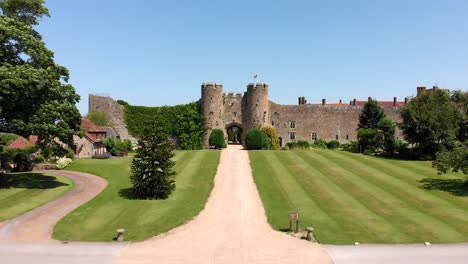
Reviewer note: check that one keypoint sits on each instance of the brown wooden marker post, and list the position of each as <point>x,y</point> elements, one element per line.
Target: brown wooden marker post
<point>294,216</point>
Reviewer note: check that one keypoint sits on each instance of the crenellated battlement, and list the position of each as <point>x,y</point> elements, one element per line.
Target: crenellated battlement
<point>253,86</point>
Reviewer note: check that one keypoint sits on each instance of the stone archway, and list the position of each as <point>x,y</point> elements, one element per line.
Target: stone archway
<point>234,134</point>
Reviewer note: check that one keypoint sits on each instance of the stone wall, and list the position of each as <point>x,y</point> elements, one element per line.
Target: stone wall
<point>115,113</point>
<point>329,122</point>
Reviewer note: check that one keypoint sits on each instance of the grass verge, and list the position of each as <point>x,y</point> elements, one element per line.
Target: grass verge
<point>98,219</point>
<point>22,192</point>
<point>350,197</point>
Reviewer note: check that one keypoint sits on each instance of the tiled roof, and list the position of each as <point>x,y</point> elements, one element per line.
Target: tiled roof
<point>91,127</point>
<point>20,142</point>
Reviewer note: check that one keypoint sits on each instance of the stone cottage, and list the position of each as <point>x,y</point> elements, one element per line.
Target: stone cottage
<point>92,143</point>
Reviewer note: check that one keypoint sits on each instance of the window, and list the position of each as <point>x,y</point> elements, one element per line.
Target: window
<point>313,135</point>
<point>234,114</point>
<point>292,135</point>
<point>347,137</point>
<point>272,123</point>
<point>336,137</point>
<point>292,124</point>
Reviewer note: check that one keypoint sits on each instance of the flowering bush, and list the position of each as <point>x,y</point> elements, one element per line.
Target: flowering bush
<point>63,162</point>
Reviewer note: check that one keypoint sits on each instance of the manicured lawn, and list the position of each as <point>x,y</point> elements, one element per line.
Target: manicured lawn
<point>22,192</point>
<point>350,197</point>
<point>98,219</point>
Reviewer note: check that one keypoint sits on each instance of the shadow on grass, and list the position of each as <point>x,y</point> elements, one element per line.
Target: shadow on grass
<point>29,181</point>
<point>128,194</point>
<point>457,187</point>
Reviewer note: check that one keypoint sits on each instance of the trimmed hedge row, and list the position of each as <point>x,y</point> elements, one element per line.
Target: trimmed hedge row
<point>184,122</point>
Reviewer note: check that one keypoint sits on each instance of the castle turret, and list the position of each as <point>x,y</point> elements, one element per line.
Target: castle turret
<point>212,106</point>
<point>257,106</point>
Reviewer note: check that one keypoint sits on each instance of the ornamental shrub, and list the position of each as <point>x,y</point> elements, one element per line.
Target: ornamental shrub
<point>272,135</point>
<point>320,143</point>
<point>216,139</point>
<point>333,144</point>
<point>152,167</point>
<point>118,147</point>
<point>300,144</point>
<point>256,139</point>
<point>63,162</point>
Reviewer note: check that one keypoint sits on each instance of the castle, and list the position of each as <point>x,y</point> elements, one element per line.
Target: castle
<point>253,109</point>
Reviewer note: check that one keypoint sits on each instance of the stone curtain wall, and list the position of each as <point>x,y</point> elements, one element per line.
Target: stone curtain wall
<point>325,120</point>
<point>115,112</point>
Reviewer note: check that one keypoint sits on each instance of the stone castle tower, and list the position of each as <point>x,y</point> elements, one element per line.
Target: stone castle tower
<point>245,112</point>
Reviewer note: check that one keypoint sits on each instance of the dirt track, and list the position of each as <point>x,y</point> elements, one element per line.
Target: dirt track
<point>37,225</point>
<point>231,229</point>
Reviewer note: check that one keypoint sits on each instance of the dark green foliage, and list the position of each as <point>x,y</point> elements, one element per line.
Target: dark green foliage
<point>431,122</point>
<point>39,158</point>
<point>300,144</point>
<point>118,147</point>
<point>216,138</point>
<point>320,143</point>
<point>371,115</point>
<point>375,132</point>
<point>122,102</point>
<point>256,139</point>
<point>26,11</point>
<point>184,122</point>
<point>54,149</point>
<point>454,160</point>
<point>370,140</point>
<point>21,158</point>
<point>333,144</point>
<point>106,155</point>
<point>7,138</point>
<point>152,166</point>
<point>35,97</point>
<point>352,146</point>
<point>99,118</point>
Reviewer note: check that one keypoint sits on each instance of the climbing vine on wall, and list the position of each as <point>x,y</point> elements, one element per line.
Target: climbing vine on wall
<point>184,122</point>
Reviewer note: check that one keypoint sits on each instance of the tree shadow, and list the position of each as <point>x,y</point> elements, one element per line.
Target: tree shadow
<point>29,181</point>
<point>128,194</point>
<point>457,187</point>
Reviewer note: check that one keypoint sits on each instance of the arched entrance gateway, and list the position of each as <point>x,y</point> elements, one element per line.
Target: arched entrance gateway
<point>234,133</point>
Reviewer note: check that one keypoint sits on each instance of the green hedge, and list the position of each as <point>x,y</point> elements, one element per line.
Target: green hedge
<point>217,138</point>
<point>256,139</point>
<point>184,122</point>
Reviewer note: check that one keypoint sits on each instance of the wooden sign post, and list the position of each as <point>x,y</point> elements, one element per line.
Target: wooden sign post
<point>294,216</point>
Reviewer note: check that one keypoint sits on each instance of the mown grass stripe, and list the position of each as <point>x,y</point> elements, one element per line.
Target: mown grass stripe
<point>358,212</point>
<point>375,185</point>
<point>439,211</point>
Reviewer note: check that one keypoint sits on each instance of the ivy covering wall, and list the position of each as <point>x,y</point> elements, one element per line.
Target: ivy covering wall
<point>184,122</point>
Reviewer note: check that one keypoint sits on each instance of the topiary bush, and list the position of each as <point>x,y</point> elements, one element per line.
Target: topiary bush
<point>273,138</point>
<point>322,144</point>
<point>300,144</point>
<point>216,139</point>
<point>256,139</point>
<point>333,144</point>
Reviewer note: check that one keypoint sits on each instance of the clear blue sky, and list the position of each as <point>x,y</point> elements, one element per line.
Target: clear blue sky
<point>159,52</point>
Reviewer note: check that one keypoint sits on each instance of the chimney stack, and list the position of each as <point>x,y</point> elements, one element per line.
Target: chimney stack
<point>324,101</point>
<point>394,101</point>
<point>369,99</point>
<point>354,101</point>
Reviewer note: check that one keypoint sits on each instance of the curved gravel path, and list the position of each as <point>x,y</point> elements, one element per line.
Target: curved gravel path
<point>232,228</point>
<point>37,225</point>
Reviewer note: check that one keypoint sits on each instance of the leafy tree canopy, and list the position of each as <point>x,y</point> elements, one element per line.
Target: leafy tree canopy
<point>371,115</point>
<point>35,97</point>
<point>431,121</point>
<point>99,118</point>
<point>454,160</point>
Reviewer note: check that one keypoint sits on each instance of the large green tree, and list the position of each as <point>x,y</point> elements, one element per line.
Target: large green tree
<point>35,97</point>
<point>454,160</point>
<point>152,166</point>
<point>431,122</point>
<point>375,130</point>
